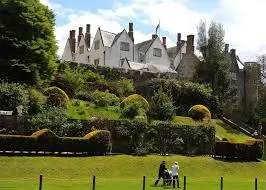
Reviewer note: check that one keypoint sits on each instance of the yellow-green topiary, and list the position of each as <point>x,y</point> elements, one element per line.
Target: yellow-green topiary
<point>56,96</point>
<point>199,112</point>
<point>134,105</point>
<point>43,133</point>
<point>137,100</point>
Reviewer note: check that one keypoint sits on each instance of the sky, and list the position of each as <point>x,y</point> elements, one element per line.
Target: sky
<point>245,29</point>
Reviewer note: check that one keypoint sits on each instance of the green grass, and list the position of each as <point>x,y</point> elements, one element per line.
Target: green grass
<point>86,110</point>
<point>125,172</point>
<point>222,129</point>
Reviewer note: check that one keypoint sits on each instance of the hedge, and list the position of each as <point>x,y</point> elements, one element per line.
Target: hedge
<point>46,141</point>
<point>250,150</point>
<point>158,137</point>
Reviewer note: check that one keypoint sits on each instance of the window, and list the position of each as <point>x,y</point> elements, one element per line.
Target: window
<point>81,49</point>
<point>97,44</point>
<point>157,52</point>
<point>141,56</point>
<point>124,46</point>
<point>96,62</point>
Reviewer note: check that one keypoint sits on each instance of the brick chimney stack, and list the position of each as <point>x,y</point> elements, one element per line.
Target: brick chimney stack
<point>226,48</point>
<point>154,36</point>
<point>164,42</point>
<point>80,34</point>
<point>178,37</point>
<point>190,44</point>
<point>131,31</point>
<point>72,41</point>
<point>88,35</point>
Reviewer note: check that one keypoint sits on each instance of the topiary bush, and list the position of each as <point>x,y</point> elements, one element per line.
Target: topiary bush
<point>123,87</point>
<point>134,105</point>
<point>13,95</point>
<point>36,101</point>
<point>199,112</point>
<point>104,99</point>
<point>100,139</point>
<point>56,96</point>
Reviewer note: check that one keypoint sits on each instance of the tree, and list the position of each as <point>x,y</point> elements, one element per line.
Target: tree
<point>27,42</point>
<point>213,69</point>
<point>162,106</point>
<point>262,62</point>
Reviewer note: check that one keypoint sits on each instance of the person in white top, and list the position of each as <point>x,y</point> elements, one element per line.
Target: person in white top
<point>175,171</point>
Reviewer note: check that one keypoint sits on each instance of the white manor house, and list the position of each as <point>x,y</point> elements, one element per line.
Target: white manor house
<point>120,51</point>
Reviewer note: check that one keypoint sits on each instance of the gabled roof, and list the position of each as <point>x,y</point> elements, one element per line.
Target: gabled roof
<point>107,37</point>
<point>116,37</point>
<point>172,51</point>
<point>144,46</point>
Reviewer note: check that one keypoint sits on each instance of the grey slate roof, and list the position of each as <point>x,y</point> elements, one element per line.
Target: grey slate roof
<point>172,51</point>
<point>116,37</point>
<point>107,37</point>
<point>144,46</point>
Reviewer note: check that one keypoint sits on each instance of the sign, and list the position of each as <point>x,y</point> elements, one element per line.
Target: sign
<point>6,112</point>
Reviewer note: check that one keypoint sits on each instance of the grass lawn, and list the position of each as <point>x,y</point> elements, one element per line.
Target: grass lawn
<point>86,110</point>
<point>222,129</point>
<point>125,172</point>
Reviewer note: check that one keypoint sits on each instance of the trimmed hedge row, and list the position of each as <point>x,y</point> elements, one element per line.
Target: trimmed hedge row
<point>250,150</point>
<point>159,137</point>
<point>96,142</point>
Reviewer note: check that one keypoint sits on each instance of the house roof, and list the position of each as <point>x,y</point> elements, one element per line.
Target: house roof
<point>107,37</point>
<point>116,37</point>
<point>154,68</point>
<point>144,46</point>
<point>172,51</point>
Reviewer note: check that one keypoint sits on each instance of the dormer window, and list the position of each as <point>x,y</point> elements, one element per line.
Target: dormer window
<point>124,46</point>
<point>157,52</point>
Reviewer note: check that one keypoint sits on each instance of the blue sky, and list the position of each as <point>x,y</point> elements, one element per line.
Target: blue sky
<point>242,19</point>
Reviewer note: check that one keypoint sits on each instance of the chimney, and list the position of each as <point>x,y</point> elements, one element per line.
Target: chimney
<point>233,51</point>
<point>73,41</point>
<point>131,31</point>
<point>164,42</point>
<point>80,34</point>
<point>190,44</point>
<point>178,37</point>
<point>154,36</point>
<point>226,48</point>
<point>88,35</point>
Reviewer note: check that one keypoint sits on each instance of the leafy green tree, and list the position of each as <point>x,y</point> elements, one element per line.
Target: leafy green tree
<point>27,41</point>
<point>162,106</point>
<point>213,69</point>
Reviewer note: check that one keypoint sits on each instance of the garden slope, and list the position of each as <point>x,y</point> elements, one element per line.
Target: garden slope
<point>222,129</point>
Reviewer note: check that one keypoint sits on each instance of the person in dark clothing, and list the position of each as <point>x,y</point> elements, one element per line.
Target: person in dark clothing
<point>161,173</point>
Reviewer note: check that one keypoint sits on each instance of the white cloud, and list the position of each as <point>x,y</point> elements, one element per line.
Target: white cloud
<point>242,20</point>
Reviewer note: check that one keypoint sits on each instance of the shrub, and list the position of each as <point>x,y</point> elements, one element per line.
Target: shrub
<point>43,133</point>
<point>242,151</point>
<point>78,77</point>
<point>45,140</point>
<point>13,95</point>
<point>136,137</point>
<point>64,85</point>
<point>134,105</point>
<point>199,112</point>
<point>55,119</point>
<point>123,87</point>
<point>36,101</point>
<point>56,96</point>
<point>184,94</point>
<point>162,106</point>
<point>104,99</point>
